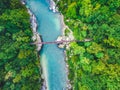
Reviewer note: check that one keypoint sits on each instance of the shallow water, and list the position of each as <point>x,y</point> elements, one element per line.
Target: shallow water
<point>52,58</point>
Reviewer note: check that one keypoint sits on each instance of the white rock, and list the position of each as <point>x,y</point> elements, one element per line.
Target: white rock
<point>60,38</point>
<point>61,46</point>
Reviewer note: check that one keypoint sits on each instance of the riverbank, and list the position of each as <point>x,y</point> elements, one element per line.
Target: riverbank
<point>65,45</point>
<point>67,34</point>
<point>64,37</point>
<point>53,6</point>
<point>36,37</point>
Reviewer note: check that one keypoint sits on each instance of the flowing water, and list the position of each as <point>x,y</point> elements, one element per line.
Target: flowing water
<point>52,58</point>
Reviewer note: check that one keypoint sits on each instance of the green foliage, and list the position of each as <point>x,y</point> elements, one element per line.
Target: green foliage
<point>19,62</point>
<point>71,12</point>
<point>93,65</point>
<point>67,32</point>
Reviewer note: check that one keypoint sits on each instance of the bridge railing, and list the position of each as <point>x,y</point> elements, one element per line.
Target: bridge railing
<point>62,41</point>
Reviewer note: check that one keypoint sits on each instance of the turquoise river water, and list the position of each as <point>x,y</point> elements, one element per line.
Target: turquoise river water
<point>52,58</point>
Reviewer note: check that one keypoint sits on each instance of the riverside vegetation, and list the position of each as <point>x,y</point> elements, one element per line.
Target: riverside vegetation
<point>93,65</point>
<point>19,61</point>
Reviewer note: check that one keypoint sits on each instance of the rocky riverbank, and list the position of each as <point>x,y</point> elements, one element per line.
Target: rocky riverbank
<point>36,37</point>
<point>65,37</point>
<point>52,6</point>
<point>67,34</point>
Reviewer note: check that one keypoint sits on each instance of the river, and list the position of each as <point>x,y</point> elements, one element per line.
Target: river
<point>52,58</point>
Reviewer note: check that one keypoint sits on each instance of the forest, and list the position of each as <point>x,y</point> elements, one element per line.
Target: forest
<point>19,61</point>
<point>93,65</point>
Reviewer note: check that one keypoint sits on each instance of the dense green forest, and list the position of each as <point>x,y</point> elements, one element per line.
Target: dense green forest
<point>93,65</point>
<point>19,61</point>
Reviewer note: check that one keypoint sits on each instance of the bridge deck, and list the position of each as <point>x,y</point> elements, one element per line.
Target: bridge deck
<point>53,42</point>
<point>58,42</point>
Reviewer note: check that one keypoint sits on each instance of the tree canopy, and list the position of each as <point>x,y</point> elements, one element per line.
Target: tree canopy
<point>19,62</point>
<point>93,65</point>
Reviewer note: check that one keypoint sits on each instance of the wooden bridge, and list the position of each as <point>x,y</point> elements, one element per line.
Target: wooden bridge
<point>59,42</point>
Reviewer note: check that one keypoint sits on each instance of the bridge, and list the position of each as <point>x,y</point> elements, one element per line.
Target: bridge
<point>59,42</point>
